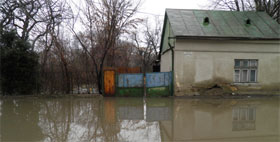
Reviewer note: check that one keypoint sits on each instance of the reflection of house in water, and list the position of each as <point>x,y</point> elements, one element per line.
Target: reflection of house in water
<point>243,118</point>
<point>223,120</point>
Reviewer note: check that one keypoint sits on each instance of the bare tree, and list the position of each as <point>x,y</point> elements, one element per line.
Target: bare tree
<point>56,12</point>
<point>123,54</point>
<point>61,50</point>
<point>22,15</point>
<point>152,35</point>
<point>271,7</point>
<point>31,18</point>
<point>147,45</point>
<point>234,5</point>
<point>6,13</point>
<point>105,21</point>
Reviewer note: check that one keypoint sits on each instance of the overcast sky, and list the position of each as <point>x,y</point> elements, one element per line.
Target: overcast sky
<point>158,7</point>
<point>152,9</point>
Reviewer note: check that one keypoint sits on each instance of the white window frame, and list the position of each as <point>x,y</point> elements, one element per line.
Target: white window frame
<point>249,68</point>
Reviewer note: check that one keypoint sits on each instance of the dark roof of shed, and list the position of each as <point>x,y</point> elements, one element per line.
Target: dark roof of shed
<point>223,24</point>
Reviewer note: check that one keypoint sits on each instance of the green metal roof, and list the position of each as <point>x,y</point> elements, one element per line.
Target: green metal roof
<point>222,24</point>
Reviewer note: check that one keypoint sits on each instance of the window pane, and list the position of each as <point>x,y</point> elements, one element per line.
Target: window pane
<point>244,76</point>
<point>236,75</point>
<point>242,114</point>
<point>253,63</point>
<point>237,63</point>
<point>235,114</point>
<point>245,63</point>
<point>253,76</point>
<point>251,113</point>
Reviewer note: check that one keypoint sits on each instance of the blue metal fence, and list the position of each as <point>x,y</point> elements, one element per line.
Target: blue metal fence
<point>130,80</point>
<point>157,84</point>
<point>130,85</point>
<point>158,79</point>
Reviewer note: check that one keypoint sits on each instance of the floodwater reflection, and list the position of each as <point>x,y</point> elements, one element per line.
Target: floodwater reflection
<point>137,119</point>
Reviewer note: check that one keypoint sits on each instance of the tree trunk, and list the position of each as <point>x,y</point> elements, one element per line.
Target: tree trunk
<point>67,81</point>
<point>99,78</point>
<point>237,5</point>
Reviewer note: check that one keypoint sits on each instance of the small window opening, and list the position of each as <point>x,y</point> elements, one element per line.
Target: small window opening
<point>206,21</point>
<point>248,22</point>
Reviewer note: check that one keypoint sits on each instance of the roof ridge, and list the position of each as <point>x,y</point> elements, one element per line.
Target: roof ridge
<point>216,10</point>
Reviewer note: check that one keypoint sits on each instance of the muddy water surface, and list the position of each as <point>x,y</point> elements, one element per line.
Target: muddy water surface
<point>137,119</point>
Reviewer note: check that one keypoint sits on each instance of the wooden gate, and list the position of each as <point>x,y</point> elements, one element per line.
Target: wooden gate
<point>109,82</point>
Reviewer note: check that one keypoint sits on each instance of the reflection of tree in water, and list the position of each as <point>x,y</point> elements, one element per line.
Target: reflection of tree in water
<point>0,119</point>
<point>55,119</point>
<point>75,120</point>
<point>19,120</point>
<point>0,108</point>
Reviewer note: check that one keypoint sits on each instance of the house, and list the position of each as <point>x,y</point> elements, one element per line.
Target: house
<point>235,51</point>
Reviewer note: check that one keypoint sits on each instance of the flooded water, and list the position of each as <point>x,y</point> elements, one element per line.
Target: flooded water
<point>137,119</point>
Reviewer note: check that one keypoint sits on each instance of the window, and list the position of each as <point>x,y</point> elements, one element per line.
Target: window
<point>243,118</point>
<point>244,113</point>
<point>245,70</point>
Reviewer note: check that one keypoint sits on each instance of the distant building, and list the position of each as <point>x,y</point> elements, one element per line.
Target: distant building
<point>240,49</point>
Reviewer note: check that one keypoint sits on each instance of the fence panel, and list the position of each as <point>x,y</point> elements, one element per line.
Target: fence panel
<point>158,84</point>
<point>130,80</point>
<point>130,85</point>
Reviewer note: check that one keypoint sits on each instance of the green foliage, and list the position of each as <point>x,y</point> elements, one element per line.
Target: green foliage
<point>18,65</point>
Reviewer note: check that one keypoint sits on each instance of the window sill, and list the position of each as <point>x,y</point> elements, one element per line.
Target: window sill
<point>246,83</point>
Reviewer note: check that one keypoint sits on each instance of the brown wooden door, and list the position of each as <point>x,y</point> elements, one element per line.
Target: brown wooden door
<point>109,82</point>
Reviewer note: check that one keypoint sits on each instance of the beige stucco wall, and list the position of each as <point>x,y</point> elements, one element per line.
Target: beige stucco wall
<point>204,61</point>
<point>166,62</point>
